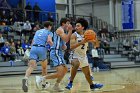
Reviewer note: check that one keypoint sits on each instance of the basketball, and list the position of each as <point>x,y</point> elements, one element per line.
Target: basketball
<point>90,35</point>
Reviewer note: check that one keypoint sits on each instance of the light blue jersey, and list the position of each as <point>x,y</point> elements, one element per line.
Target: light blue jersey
<point>56,53</point>
<point>38,50</point>
<point>41,36</point>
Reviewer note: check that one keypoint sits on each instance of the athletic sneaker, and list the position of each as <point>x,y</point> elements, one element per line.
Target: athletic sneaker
<point>25,85</point>
<point>96,86</point>
<point>46,86</point>
<point>38,82</point>
<point>69,86</point>
<point>57,88</point>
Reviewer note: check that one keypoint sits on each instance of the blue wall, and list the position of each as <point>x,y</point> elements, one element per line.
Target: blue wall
<point>13,3</point>
<point>45,5</point>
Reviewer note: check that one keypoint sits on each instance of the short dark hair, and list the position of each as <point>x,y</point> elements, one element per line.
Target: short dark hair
<point>83,22</point>
<point>47,24</point>
<point>64,20</point>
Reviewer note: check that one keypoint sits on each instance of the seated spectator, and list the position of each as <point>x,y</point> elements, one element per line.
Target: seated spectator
<point>11,40</point>
<point>1,41</point>
<point>14,55</point>
<point>135,50</point>
<point>5,52</point>
<point>106,47</point>
<point>25,45</point>
<point>126,44</point>
<point>19,49</point>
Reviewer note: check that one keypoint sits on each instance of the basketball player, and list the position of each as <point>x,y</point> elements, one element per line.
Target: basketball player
<point>60,38</point>
<point>38,52</point>
<point>78,58</point>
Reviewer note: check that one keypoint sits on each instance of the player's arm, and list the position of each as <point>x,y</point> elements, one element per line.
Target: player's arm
<point>65,37</point>
<point>73,42</point>
<point>49,40</point>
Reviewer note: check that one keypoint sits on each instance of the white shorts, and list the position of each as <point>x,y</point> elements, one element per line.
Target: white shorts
<point>83,60</point>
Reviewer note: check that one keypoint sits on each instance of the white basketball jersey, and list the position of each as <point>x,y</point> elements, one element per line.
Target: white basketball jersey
<point>81,50</point>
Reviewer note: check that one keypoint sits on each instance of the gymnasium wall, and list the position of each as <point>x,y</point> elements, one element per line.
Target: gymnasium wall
<point>137,14</point>
<point>101,10</point>
<point>61,8</point>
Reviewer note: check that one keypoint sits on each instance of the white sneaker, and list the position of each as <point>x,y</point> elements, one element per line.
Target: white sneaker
<point>38,82</point>
<point>97,69</point>
<point>46,86</point>
<point>94,69</point>
<point>57,88</point>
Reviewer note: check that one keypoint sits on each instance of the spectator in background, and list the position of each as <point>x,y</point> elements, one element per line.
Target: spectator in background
<point>37,27</point>
<point>95,55</point>
<point>11,18</point>
<point>1,41</point>
<point>4,18</point>
<point>37,10</point>
<point>5,52</point>
<point>106,46</point>
<point>25,45</point>
<point>11,40</point>
<point>19,49</point>
<point>126,44</point>
<point>50,17</point>
<point>14,55</point>
<point>27,28</point>
<point>103,32</point>
<point>17,27</point>
<point>28,11</point>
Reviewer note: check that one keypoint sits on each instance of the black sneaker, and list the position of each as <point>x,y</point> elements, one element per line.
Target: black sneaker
<point>46,86</point>
<point>25,85</point>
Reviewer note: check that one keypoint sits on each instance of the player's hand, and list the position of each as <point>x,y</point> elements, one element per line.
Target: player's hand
<point>85,40</point>
<point>69,28</point>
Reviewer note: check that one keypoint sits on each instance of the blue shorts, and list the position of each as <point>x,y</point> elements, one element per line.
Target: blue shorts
<point>38,53</point>
<point>57,57</point>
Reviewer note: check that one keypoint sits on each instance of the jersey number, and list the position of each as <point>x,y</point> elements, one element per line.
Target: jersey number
<point>83,45</point>
<point>41,33</point>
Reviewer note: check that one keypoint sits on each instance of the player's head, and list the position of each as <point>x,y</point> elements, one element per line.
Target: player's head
<point>81,24</point>
<point>64,22</point>
<point>48,25</point>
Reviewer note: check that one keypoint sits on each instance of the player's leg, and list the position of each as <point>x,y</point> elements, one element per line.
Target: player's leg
<point>86,72</point>
<point>32,66</point>
<point>59,79</point>
<point>75,65</point>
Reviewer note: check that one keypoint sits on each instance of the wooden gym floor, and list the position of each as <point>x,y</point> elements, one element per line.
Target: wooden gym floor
<point>126,80</point>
